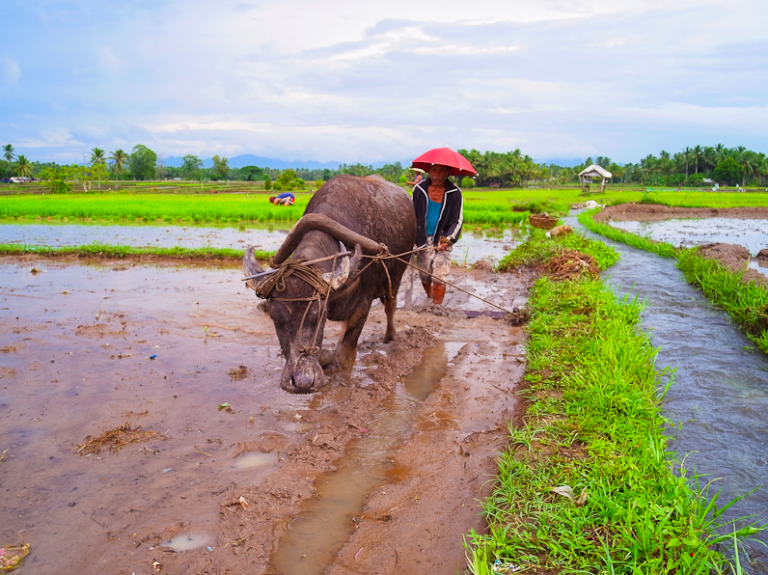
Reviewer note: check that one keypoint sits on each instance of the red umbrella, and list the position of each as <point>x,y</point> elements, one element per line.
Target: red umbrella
<point>459,165</point>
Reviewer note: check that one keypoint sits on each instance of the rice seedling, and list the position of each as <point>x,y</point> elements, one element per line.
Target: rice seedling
<point>121,251</point>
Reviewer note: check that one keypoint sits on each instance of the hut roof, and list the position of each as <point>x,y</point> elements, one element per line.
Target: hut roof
<point>596,171</point>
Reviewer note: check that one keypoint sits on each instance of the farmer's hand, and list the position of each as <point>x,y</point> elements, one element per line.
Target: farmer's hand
<point>443,244</point>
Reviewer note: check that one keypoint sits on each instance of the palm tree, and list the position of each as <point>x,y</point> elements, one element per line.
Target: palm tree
<point>8,154</point>
<point>23,166</point>
<point>750,164</point>
<point>118,158</point>
<point>97,156</point>
<point>697,152</point>
<point>720,152</point>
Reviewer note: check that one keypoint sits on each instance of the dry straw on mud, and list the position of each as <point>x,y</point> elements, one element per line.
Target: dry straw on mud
<point>570,264</point>
<point>116,439</point>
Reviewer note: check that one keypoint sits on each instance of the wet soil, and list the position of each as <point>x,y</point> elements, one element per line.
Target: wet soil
<point>234,463</point>
<point>736,258</point>
<point>655,212</point>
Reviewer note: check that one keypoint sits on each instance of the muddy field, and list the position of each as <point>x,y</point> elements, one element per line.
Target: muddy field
<point>651,212</point>
<point>380,472</point>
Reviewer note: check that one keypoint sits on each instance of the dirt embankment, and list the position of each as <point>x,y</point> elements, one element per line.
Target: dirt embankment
<point>655,212</point>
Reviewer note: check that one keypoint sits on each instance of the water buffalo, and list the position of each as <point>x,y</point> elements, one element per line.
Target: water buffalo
<point>347,215</point>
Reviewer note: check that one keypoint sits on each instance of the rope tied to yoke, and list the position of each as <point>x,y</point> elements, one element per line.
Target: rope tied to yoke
<point>312,275</point>
<point>309,274</point>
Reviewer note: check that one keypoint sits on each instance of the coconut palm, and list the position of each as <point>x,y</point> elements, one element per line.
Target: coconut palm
<point>23,166</point>
<point>750,164</point>
<point>8,154</point>
<point>119,159</point>
<point>697,153</point>
<point>97,156</point>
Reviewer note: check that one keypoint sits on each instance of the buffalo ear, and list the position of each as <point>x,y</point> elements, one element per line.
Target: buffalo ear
<point>354,264</point>
<point>340,272</point>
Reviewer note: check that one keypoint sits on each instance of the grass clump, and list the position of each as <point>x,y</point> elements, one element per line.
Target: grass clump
<point>587,485</point>
<point>121,251</point>
<point>540,249</point>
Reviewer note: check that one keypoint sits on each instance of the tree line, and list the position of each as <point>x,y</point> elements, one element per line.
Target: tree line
<point>693,166</point>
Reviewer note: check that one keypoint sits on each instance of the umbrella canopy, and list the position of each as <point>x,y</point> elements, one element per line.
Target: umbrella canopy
<point>445,157</point>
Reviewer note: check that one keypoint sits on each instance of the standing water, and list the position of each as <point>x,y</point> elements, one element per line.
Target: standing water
<point>475,245</point>
<point>720,389</point>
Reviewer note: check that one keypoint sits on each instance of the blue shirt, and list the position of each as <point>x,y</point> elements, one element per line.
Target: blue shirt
<point>433,215</point>
<point>285,195</point>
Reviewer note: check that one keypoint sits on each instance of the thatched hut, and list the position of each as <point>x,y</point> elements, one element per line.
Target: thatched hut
<point>593,171</point>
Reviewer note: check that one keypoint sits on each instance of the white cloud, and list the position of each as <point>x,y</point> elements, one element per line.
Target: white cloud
<point>56,138</point>
<point>299,79</point>
<point>11,70</point>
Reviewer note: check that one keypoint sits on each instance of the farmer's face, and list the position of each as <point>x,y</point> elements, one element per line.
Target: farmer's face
<point>439,174</point>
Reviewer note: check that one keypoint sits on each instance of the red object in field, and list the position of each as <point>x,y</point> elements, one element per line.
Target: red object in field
<point>459,165</point>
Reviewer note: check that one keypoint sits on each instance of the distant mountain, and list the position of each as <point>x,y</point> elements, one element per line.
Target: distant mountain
<point>563,162</point>
<point>262,162</point>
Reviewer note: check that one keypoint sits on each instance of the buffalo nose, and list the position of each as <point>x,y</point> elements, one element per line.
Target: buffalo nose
<point>303,382</point>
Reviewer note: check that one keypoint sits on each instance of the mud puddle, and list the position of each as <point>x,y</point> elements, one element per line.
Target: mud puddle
<point>752,234</point>
<point>315,535</point>
<point>220,493</point>
<point>475,245</point>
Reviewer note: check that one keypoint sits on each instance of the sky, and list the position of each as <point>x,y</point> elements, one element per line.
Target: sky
<point>352,81</point>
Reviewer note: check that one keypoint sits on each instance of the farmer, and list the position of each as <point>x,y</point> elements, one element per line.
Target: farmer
<point>417,180</point>
<point>284,199</point>
<point>439,214</point>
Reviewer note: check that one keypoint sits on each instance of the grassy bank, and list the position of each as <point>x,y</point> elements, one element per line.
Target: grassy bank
<point>747,304</point>
<point>587,485</point>
<point>119,251</point>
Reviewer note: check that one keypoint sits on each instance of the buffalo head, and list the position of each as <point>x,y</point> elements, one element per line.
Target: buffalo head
<point>299,315</point>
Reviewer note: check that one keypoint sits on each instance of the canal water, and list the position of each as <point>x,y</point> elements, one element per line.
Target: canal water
<point>720,390</point>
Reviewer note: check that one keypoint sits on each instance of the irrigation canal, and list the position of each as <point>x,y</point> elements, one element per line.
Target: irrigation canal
<point>720,389</point>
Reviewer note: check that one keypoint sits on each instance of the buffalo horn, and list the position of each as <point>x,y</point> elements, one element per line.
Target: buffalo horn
<point>250,266</point>
<point>339,232</point>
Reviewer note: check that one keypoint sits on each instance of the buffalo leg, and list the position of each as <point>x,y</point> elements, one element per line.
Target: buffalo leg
<point>390,305</point>
<point>346,349</point>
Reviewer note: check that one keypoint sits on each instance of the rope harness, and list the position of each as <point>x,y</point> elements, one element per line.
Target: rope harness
<point>310,274</point>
